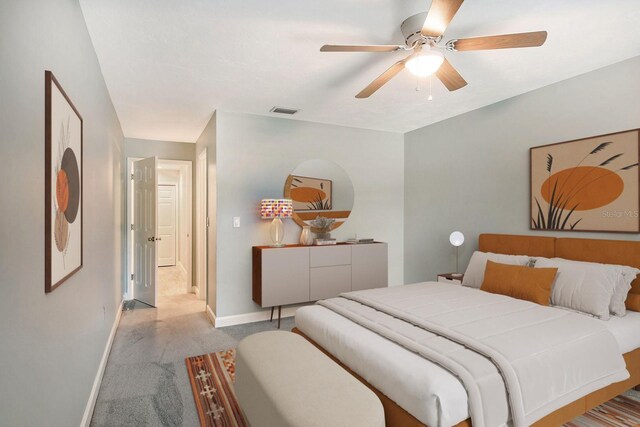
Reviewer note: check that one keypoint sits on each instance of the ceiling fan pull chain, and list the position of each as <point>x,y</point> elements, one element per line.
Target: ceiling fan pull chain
<point>430,97</point>
<point>417,84</point>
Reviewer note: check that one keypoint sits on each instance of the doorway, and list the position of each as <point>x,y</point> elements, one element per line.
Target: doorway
<point>173,233</point>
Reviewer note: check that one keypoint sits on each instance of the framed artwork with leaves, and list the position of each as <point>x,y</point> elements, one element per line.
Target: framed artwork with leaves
<point>311,194</point>
<point>590,184</point>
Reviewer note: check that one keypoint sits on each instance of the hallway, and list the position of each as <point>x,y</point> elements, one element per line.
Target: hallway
<point>145,381</point>
<point>171,281</point>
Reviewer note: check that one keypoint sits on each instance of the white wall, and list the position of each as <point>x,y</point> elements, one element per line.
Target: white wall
<point>471,172</point>
<point>208,141</point>
<point>51,344</point>
<point>255,154</point>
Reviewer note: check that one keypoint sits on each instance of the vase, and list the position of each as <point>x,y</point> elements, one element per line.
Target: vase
<point>306,237</point>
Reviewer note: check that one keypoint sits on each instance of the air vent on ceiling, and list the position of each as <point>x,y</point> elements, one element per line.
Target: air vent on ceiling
<point>281,110</point>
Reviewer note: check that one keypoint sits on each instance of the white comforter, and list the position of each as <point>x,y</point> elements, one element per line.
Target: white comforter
<point>515,358</point>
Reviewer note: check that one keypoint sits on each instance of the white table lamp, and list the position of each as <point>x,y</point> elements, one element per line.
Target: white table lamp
<point>457,239</point>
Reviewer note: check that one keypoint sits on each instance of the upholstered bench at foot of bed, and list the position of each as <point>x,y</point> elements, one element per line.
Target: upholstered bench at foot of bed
<point>283,380</point>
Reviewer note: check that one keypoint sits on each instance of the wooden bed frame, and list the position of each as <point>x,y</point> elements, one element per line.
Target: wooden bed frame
<point>603,251</point>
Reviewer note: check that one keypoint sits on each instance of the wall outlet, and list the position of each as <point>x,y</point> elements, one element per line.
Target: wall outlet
<point>236,222</point>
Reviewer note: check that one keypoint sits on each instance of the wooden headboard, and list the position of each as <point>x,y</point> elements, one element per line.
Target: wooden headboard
<point>621,252</point>
<point>517,245</point>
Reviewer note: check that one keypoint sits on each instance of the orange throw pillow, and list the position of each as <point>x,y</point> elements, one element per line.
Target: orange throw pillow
<point>517,281</point>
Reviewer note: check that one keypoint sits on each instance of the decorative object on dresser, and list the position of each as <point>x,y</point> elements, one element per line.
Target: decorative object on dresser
<point>450,278</point>
<point>306,236</point>
<point>63,186</point>
<point>276,209</point>
<point>322,228</point>
<point>589,184</point>
<point>329,195</point>
<point>357,241</point>
<point>295,274</point>
<point>456,239</point>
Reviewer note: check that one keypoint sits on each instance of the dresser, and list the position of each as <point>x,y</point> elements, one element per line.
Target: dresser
<point>296,274</point>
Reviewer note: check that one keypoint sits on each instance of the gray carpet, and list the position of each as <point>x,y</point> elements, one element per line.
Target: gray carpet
<point>145,381</point>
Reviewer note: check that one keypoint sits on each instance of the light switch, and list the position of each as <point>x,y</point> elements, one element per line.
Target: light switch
<point>236,222</point>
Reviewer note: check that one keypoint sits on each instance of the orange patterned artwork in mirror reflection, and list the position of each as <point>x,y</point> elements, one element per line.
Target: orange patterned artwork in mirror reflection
<point>311,194</point>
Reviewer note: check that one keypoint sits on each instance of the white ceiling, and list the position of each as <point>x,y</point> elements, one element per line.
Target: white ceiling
<point>169,64</point>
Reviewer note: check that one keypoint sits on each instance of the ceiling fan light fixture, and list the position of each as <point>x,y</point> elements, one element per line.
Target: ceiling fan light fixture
<point>425,63</point>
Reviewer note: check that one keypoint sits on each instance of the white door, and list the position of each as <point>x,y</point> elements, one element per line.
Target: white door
<point>145,188</point>
<point>167,220</point>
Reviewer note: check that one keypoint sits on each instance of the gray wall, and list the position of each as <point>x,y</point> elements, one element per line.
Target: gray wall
<point>51,345</point>
<point>208,140</point>
<point>255,154</point>
<point>471,172</point>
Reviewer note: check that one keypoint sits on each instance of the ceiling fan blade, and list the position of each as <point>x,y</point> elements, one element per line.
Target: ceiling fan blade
<point>360,48</point>
<point>385,77</point>
<point>505,41</point>
<point>450,77</point>
<point>440,14</point>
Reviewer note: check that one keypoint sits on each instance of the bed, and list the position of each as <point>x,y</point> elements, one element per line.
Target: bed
<point>417,392</point>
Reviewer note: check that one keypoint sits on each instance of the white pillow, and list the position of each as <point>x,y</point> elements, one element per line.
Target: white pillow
<point>626,275</point>
<point>474,276</point>
<point>622,289</point>
<point>582,286</point>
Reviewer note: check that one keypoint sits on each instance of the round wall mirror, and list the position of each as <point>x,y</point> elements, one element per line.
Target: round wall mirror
<point>319,188</point>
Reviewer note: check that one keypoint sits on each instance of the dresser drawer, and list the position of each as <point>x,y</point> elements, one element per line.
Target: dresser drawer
<point>330,255</point>
<point>329,282</point>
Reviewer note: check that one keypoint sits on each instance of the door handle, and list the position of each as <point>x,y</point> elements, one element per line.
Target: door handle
<point>151,239</point>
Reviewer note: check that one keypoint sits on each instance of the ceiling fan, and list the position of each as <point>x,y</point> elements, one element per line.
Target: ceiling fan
<point>423,33</point>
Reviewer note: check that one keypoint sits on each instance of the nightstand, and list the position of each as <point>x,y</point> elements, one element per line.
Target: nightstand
<point>450,278</point>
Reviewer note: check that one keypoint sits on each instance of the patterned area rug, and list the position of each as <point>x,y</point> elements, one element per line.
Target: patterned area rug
<point>212,377</point>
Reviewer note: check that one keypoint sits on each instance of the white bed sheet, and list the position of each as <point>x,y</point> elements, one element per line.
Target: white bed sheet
<point>626,330</point>
<point>431,394</point>
<point>427,391</point>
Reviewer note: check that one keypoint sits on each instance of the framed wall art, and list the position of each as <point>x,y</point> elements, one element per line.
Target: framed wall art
<point>590,184</point>
<point>63,185</point>
<point>311,194</point>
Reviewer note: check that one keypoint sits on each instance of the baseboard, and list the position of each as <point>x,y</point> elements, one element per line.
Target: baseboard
<point>258,316</point>
<point>211,315</point>
<point>93,396</point>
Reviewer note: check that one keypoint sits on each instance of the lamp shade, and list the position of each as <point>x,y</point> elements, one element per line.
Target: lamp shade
<point>425,63</point>
<point>456,238</point>
<point>276,208</point>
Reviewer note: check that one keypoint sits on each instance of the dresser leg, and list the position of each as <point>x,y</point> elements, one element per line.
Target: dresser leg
<point>279,313</point>
<point>271,319</point>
